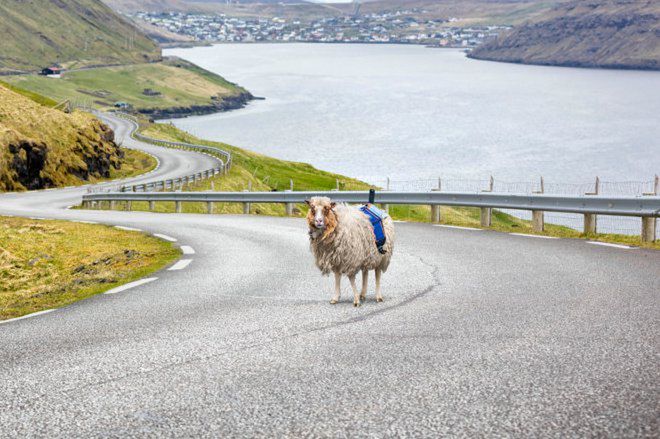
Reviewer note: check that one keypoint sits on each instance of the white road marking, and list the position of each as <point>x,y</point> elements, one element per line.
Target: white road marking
<point>34,314</point>
<point>187,250</point>
<point>180,265</point>
<point>607,244</point>
<point>400,221</point>
<point>130,229</point>
<point>527,235</point>
<point>165,237</point>
<point>130,285</point>
<point>456,227</point>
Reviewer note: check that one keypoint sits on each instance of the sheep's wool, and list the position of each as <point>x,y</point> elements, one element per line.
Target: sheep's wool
<point>350,247</point>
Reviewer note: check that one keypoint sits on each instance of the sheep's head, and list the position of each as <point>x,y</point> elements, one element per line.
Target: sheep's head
<point>321,217</point>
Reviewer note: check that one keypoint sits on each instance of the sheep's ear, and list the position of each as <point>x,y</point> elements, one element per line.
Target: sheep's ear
<point>309,203</point>
<point>332,205</point>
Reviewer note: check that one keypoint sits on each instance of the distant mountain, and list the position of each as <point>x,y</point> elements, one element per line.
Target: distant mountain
<point>585,33</point>
<point>72,33</point>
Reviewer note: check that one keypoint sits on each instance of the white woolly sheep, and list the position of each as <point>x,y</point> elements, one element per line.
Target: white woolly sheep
<point>342,241</point>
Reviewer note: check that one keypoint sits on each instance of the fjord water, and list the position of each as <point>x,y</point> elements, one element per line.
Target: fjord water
<point>410,112</point>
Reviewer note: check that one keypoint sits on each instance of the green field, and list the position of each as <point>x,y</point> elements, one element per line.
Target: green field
<point>175,84</point>
<point>48,264</point>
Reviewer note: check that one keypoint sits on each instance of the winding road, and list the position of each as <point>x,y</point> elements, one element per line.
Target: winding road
<point>481,334</point>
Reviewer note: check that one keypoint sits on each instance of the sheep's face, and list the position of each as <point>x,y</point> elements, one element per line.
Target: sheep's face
<point>321,215</point>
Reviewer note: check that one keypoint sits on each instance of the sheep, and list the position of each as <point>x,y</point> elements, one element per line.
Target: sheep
<point>342,242</point>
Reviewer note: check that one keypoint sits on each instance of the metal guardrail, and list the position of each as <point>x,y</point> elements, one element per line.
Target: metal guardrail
<point>648,208</point>
<point>620,206</point>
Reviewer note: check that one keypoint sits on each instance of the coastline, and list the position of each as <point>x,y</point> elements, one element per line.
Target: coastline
<point>469,51</point>
<point>225,104</point>
<point>573,64</point>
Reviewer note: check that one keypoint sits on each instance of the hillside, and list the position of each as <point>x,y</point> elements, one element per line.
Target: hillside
<point>589,33</point>
<point>73,33</point>
<point>41,147</point>
<point>170,88</point>
<point>469,12</point>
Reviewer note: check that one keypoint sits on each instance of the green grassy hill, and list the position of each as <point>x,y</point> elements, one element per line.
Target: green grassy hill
<point>42,147</point>
<point>73,33</point>
<point>594,33</point>
<point>173,87</point>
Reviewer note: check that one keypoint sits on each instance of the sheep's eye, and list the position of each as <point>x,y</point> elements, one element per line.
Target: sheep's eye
<point>311,209</point>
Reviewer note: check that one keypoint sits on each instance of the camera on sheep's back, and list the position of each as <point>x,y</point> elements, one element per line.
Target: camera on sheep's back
<point>346,240</point>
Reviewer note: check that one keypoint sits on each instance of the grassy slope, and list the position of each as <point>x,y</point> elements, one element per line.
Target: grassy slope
<point>180,83</point>
<point>266,173</point>
<point>71,143</point>
<point>49,264</point>
<point>25,117</point>
<point>74,33</point>
<point>599,33</point>
<point>133,163</point>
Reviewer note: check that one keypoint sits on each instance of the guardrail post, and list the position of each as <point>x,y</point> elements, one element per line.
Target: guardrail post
<point>288,206</point>
<point>152,205</point>
<point>246,206</point>
<point>487,212</point>
<point>648,229</point>
<point>538,217</point>
<point>590,219</point>
<point>209,207</point>
<point>435,208</point>
<point>177,206</point>
<point>649,223</point>
<point>112,204</point>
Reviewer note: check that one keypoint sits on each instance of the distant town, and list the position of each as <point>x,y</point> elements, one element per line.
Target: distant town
<point>395,27</point>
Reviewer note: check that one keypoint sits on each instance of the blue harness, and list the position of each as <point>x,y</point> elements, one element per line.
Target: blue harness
<point>376,217</point>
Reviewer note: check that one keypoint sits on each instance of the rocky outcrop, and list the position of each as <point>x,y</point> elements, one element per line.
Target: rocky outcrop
<point>622,34</point>
<point>224,103</point>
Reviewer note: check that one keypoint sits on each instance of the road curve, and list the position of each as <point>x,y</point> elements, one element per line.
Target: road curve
<point>480,334</point>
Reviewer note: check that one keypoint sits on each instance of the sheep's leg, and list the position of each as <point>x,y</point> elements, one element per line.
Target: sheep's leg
<point>335,298</point>
<point>379,296</point>
<point>365,282</point>
<point>356,293</point>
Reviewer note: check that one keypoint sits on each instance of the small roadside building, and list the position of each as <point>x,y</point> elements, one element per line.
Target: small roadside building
<point>51,71</point>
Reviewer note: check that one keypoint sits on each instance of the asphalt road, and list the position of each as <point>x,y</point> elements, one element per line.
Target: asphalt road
<point>481,334</point>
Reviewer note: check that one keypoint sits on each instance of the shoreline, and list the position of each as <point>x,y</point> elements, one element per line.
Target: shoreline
<point>225,105</point>
<point>568,64</point>
<point>468,51</point>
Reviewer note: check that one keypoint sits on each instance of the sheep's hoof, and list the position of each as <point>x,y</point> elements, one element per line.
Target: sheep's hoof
<point>363,298</point>
<point>356,304</point>
<point>379,299</point>
<point>333,302</point>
